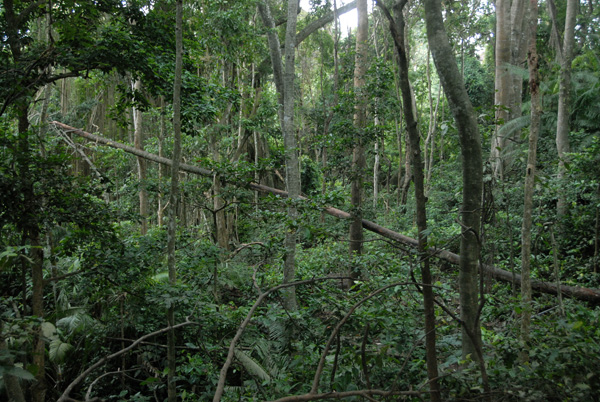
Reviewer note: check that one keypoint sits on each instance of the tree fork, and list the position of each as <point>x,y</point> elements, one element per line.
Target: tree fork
<point>575,292</point>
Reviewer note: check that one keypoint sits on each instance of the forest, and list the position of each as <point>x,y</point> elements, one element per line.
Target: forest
<point>251,200</point>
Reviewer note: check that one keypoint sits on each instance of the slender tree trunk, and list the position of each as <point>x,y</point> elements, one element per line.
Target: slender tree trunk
<point>138,142</point>
<point>174,195</point>
<point>161,168</point>
<point>30,229</point>
<point>360,122</point>
<point>584,294</point>
<point>472,168</point>
<point>534,82</point>
<point>562,124</point>
<point>376,151</point>
<point>410,115</point>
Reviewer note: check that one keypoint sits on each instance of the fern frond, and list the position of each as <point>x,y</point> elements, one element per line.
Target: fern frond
<point>509,128</point>
<point>253,367</point>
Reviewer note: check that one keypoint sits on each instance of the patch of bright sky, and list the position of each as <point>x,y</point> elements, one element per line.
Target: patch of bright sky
<point>348,21</point>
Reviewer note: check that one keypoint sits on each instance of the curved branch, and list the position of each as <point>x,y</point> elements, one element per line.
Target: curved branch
<point>244,324</point>
<point>65,395</point>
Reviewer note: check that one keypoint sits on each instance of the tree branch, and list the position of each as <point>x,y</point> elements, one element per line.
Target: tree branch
<point>65,395</point>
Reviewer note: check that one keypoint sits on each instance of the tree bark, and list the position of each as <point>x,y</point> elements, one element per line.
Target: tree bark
<point>292,167</point>
<point>472,173</point>
<point>534,82</point>
<point>562,123</point>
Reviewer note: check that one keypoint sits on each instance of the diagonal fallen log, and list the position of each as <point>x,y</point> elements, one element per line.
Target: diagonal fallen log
<point>576,292</point>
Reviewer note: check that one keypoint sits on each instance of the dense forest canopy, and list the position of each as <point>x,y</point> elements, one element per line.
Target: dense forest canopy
<point>244,201</point>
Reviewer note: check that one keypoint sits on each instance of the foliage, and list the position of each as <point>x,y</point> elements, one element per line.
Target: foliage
<point>106,284</point>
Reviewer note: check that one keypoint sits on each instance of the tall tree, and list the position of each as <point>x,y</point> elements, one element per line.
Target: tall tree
<point>284,83</point>
<point>534,89</point>
<point>410,115</point>
<point>173,197</point>
<point>472,174</point>
<point>562,123</point>
<point>360,123</point>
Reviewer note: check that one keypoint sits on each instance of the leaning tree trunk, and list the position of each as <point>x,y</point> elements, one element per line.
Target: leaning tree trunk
<point>534,82</point>
<point>472,174</point>
<point>562,124</point>
<point>173,197</point>
<point>583,294</point>
<point>360,122</point>
<point>410,115</point>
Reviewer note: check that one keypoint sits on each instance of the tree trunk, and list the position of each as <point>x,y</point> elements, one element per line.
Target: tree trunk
<point>410,115</point>
<point>174,195</point>
<point>360,122</point>
<point>534,81</point>
<point>292,167</point>
<point>472,169</point>
<point>138,142</point>
<point>562,123</point>
<point>161,168</point>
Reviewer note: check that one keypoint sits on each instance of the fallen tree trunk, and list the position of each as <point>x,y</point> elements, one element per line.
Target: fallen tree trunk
<point>576,292</point>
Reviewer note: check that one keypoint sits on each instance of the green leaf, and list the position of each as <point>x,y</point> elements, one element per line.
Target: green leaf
<point>48,329</point>
<point>59,350</point>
